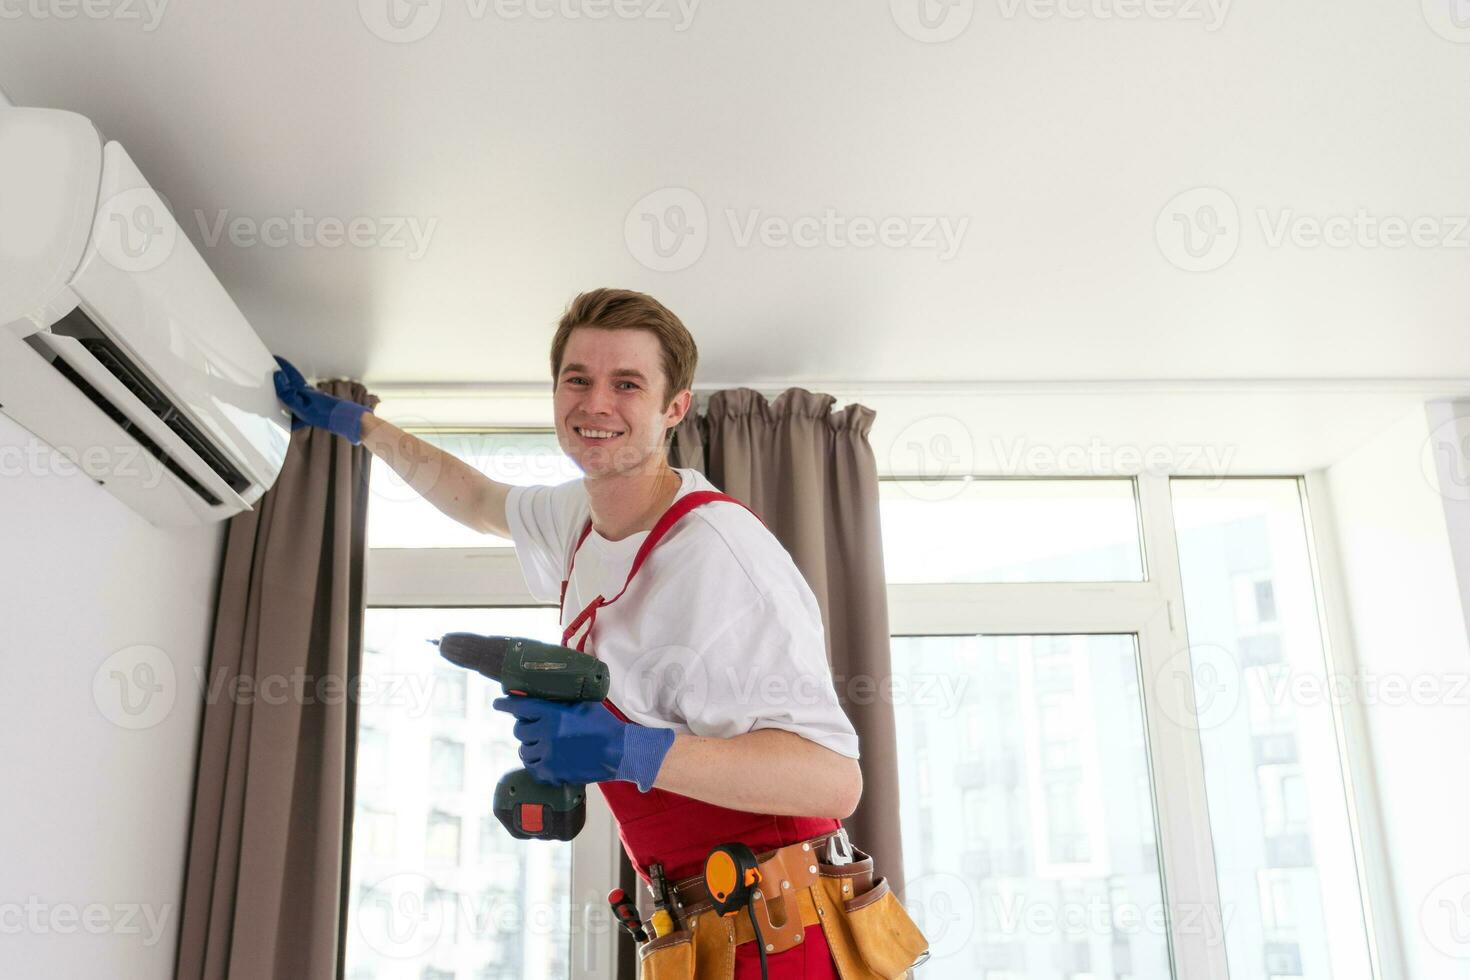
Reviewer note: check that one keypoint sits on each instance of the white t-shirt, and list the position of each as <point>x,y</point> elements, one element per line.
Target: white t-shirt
<point>717,635</point>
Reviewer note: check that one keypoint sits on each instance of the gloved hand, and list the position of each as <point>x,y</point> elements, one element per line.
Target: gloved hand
<point>310,406</point>
<point>584,742</point>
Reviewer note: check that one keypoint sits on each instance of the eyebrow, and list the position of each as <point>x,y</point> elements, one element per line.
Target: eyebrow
<point>619,373</point>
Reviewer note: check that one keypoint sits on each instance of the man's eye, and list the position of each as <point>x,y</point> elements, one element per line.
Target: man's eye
<point>631,384</point>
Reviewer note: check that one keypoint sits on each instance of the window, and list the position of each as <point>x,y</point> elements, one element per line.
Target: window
<point>1095,761</point>
<point>1283,846</point>
<point>398,517</point>
<point>1028,849</point>
<point>1010,531</point>
<point>1048,828</point>
<point>459,897</point>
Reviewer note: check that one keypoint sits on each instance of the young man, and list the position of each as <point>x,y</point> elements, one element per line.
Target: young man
<point>721,723</point>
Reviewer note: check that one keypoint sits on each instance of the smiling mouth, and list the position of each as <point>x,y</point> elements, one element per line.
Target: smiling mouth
<point>596,435</point>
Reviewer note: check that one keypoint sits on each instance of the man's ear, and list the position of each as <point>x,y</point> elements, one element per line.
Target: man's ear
<point>678,408</point>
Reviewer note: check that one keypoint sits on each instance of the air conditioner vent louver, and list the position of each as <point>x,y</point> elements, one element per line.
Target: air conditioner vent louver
<point>77,324</point>
<point>149,446</point>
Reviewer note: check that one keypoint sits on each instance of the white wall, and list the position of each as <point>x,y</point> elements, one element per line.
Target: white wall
<point>1389,506</point>
<point>94,825</point>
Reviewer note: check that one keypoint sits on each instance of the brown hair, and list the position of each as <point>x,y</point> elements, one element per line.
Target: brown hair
<point>624,309</point>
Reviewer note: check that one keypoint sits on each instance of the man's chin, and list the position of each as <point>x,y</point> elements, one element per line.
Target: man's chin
<point>596,462</point>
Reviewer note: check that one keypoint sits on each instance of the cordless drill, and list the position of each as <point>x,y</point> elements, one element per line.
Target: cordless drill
<point>529,808</point>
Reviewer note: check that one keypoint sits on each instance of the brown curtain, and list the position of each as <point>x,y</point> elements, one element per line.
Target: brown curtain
<point>264,891</point>
<point>811,476</point>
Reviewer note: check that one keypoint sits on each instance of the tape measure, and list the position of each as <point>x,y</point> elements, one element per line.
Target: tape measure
<point>730,875</point>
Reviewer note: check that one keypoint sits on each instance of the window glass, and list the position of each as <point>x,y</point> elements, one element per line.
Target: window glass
<point>439,887</point>
<point>1010,531</point>
<point>399,516</point>
<point>1030,845</point>
<point>1277,804</point>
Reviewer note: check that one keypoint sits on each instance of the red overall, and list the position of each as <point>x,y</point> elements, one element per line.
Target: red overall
<point>679,832</point>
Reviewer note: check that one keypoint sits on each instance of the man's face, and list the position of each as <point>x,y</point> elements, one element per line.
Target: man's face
<point>612,381</point>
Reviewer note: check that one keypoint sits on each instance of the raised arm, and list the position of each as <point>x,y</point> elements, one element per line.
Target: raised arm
<point>443,479</point>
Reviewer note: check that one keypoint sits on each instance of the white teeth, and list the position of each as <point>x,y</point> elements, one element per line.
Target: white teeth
<point>596,433</point>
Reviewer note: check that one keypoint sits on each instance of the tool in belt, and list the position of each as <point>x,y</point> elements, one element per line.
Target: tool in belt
<point>823,881</point>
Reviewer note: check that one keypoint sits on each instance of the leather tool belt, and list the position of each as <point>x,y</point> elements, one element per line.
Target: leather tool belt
<point>870,934</point>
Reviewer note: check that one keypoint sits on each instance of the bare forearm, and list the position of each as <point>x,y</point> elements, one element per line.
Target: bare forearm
<point>449,483</point>
<point>766,771</point>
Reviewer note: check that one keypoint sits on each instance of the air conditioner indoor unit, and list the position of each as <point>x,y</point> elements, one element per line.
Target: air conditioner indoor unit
<point>118,346</point>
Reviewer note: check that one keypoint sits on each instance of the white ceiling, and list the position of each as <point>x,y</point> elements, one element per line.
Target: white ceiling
<point>529,143</point>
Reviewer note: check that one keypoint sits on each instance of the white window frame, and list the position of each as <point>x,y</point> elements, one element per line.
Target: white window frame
<point>1151,610</point>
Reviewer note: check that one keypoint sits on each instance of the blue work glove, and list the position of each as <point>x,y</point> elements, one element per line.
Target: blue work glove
<point>310,406</point>
<point>584,742</point>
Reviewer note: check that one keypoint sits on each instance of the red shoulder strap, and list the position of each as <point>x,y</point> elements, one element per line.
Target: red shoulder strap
<point>665,522</point>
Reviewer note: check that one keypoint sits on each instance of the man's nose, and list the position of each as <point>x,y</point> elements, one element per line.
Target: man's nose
<point>597,400</point>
